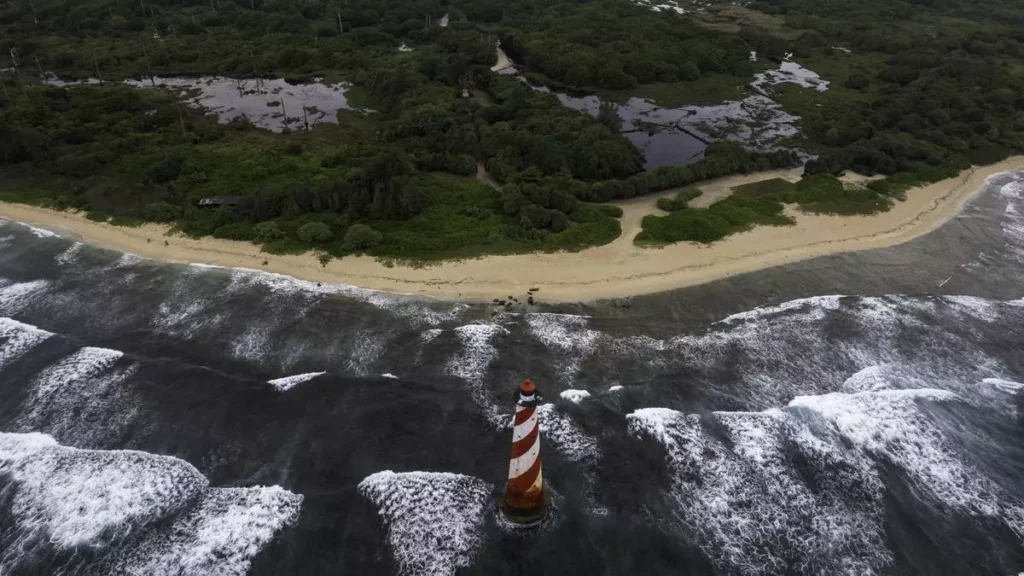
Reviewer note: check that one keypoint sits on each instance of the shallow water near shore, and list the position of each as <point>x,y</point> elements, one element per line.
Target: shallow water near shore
<point>852,413</point>
<point>272,104</point>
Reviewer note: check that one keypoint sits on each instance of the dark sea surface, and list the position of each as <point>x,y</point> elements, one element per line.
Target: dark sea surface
<point>852,414</point>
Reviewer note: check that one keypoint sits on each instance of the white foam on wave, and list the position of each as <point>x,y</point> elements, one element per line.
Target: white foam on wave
<point>1008,386</point>
<point>471,364</point>
<point>1004,393</point>
<point>50,385</point>
<point>980,308</point>
<point>782,351</point>
<point>433,520</point>
<point>20,338</point>
<point>752,512</point>
<point>66,497</point>
<point>574,396</point>
<point>70,255</point>
<point>15,297</point>
<point>289,382</point>
<point>816,307</point>
<point>1013,222</point>
<point>565,435</point>
<point>40,232</point>
<point>868,379</point>
<point>127,260</point>
<point>219,535</point>
<point>253,344</point>
<point>615,388</point>
<point>428,335</point>
<point>569,336</point>
<point>416,311</point>
<point>83,397</point>
<point>89,497</point>
<point>891,425</point>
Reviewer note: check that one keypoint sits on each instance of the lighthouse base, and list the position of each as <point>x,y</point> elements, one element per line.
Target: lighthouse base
<point>526,517</point>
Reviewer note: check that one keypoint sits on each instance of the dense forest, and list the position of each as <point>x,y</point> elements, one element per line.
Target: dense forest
<point>918,91</point>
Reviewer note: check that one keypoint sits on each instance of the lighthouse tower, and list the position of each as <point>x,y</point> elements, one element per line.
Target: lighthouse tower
<point>525,501</point>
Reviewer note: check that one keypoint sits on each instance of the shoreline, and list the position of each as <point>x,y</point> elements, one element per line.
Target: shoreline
<point>615,270</point>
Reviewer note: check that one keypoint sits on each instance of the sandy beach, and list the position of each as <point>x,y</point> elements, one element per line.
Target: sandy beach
<point>615,270</point>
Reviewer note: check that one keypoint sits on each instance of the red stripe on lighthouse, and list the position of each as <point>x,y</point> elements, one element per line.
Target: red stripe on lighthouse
<point>524,445</point>
<point>523,415</point>
<point>520,485</point>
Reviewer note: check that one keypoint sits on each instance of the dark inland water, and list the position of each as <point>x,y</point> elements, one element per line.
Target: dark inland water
<point>179,419</point>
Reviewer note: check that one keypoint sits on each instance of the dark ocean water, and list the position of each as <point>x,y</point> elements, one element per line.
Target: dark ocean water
<point>179,419</point>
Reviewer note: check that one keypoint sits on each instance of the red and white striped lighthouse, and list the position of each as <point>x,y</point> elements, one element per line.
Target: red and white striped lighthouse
<point>526,501</point>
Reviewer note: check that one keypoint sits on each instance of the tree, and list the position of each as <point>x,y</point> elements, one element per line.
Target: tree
<point>689,71</point>
<point>857,81</point>
<point>314,233</point>
<point>362,237</point>
<point>268,232</point>
<point>608,114</point>
<point>161,212</point>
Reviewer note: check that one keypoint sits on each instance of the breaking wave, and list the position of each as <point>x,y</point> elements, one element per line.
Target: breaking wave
<point>138,513</point>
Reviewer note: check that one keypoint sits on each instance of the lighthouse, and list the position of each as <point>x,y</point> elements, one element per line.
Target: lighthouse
<point>525,501</point>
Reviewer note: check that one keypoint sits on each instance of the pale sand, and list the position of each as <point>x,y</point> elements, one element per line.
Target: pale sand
<point>614,270</point>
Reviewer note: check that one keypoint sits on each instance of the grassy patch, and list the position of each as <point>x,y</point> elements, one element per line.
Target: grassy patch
<point>826,194</point>
<point>97,216</point>
<point>732,214</point>
<point>706,90</point>
<point>680,201</point>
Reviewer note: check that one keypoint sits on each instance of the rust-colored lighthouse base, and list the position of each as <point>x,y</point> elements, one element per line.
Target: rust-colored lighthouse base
<point>526,516</point>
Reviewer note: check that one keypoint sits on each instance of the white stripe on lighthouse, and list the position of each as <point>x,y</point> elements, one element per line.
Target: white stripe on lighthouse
<point>518,466</point>
<point>521,431</point>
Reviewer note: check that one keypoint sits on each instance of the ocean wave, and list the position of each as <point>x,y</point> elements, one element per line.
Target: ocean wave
<point>752,512</point>
<point>434,520</point>
<point>64,498</point>
<point>569,336</point>
<point>16,297</point>
<point>565,436</point>
<point>18,338</point>
<point>70,255</point>
<point>289,382</point>
<point>574,396</point>
<point>472,362</point>
<point>418,312</point>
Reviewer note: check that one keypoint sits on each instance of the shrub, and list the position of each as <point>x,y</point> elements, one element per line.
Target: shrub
<point>314,233</point>
<point>857,81</point>
<point>236,231</point>
<point>97,216</point>
<point>161,212</point>
<point>267,232</point>
<point>666,204</point>
<point>362,237</point>
<point>167,169</point>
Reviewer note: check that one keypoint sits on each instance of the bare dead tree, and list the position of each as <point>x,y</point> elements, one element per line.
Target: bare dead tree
<point>149,68</point>
<point>255,72</point>
<point>97,65</point>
